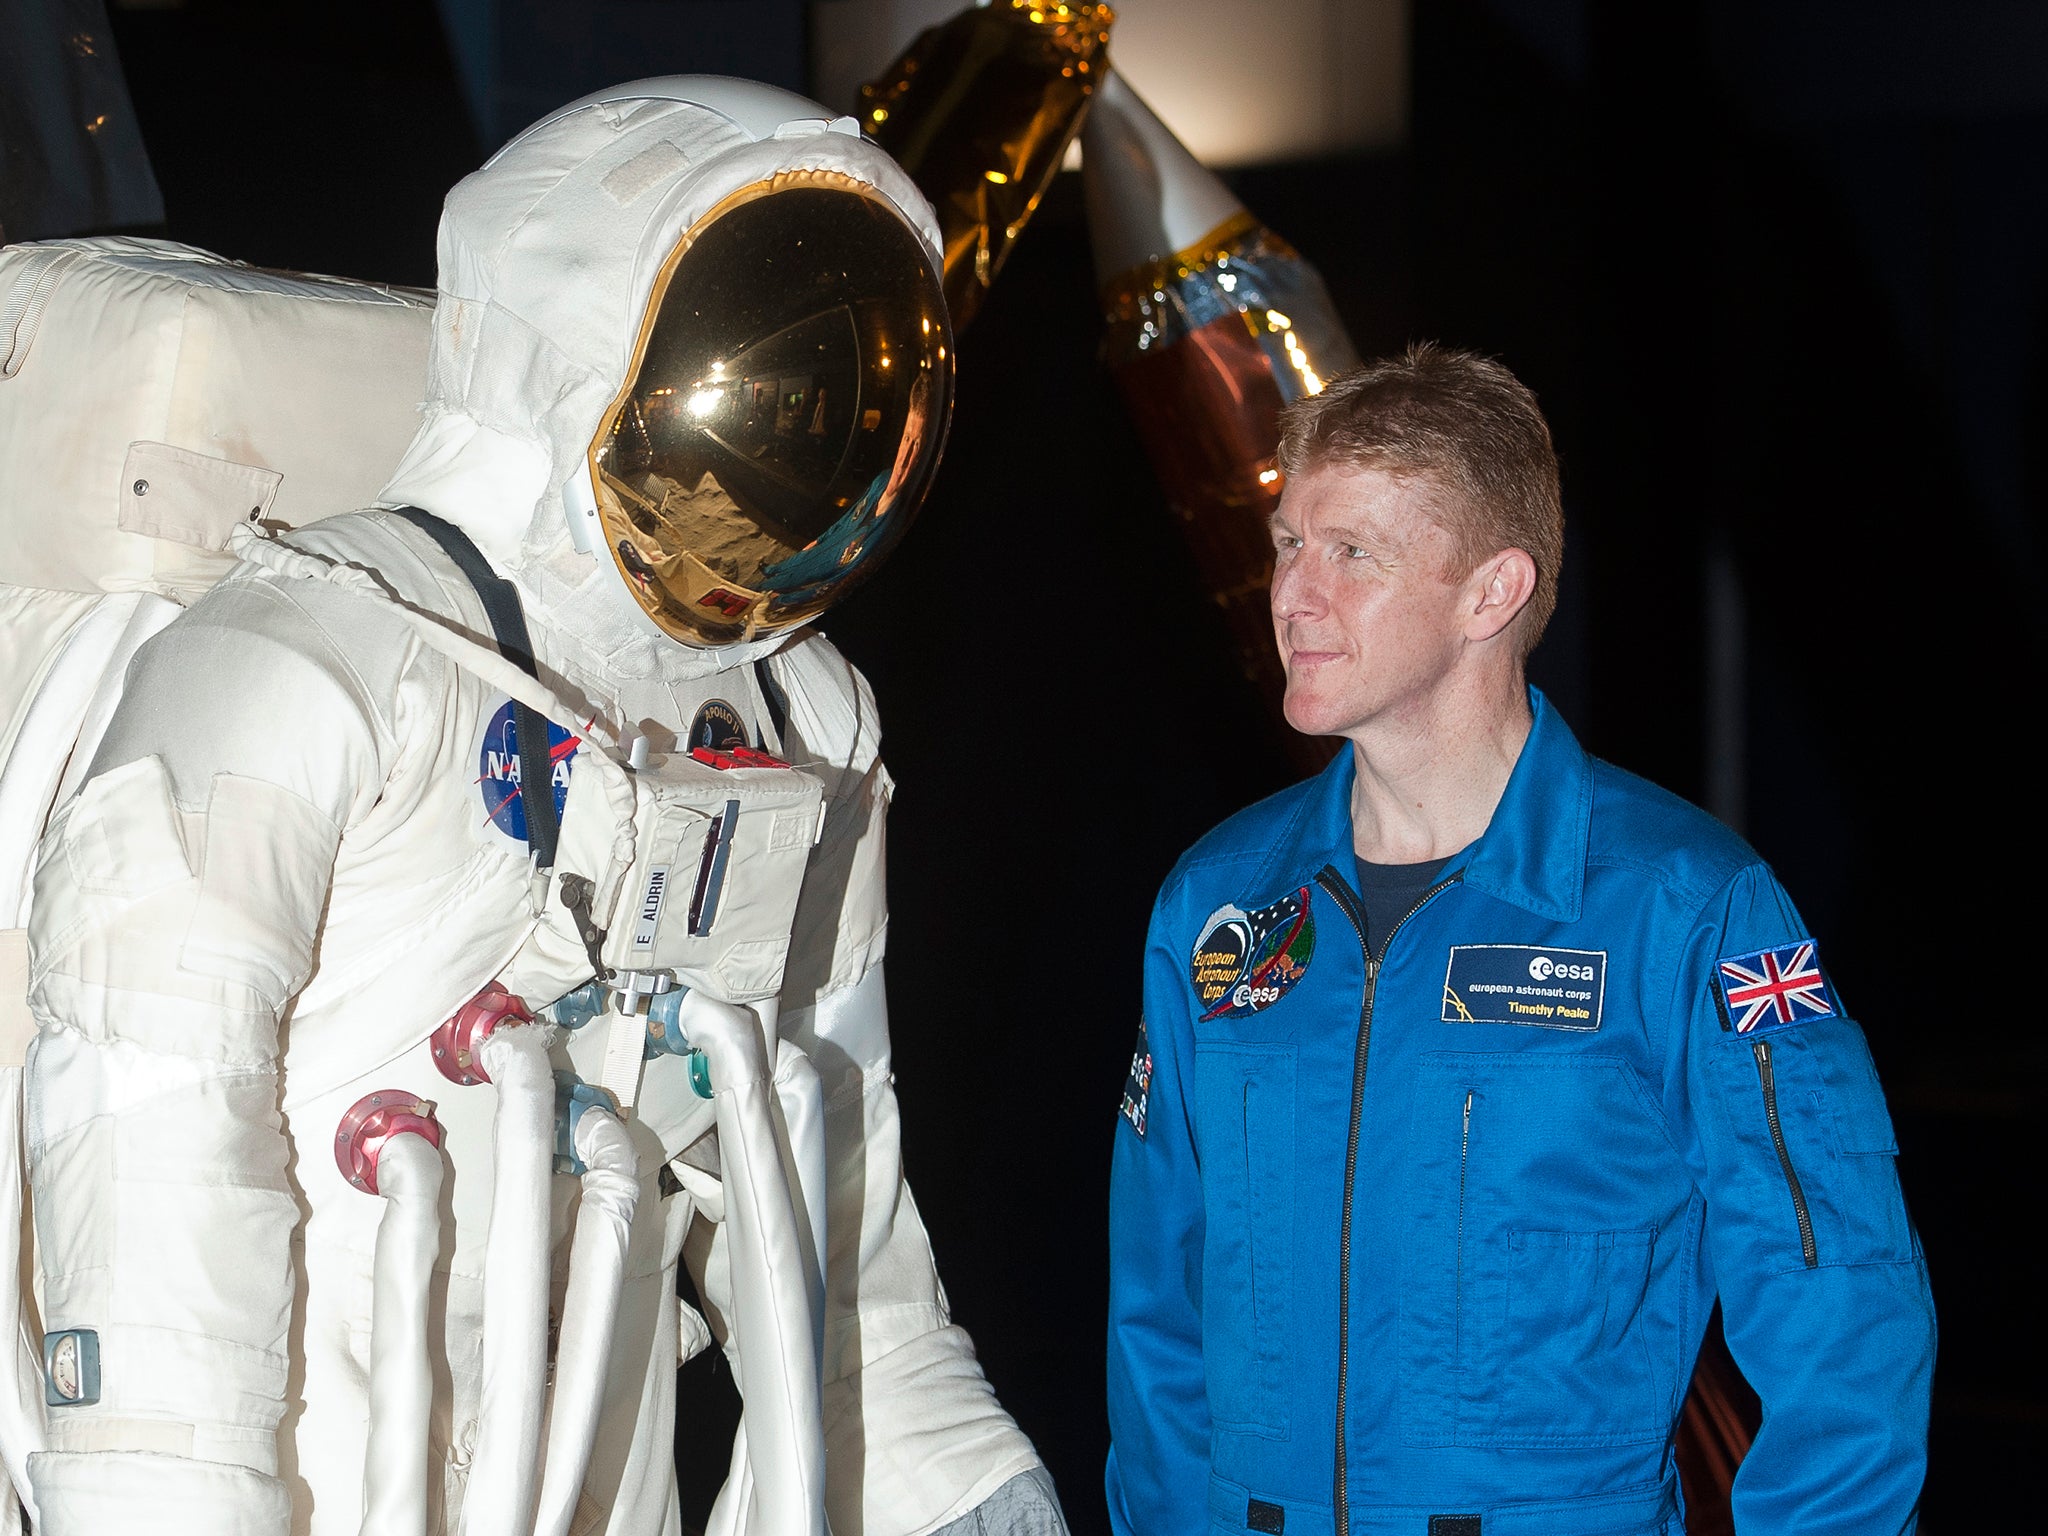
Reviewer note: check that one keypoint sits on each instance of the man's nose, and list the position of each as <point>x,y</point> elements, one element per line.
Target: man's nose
<point>1296,592</point>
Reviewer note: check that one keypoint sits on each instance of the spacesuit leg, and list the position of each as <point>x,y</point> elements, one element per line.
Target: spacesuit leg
<point>1026,1505</point>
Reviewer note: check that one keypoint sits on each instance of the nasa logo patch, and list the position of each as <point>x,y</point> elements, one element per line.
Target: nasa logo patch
<point>498,771</point>
<point>1245,961</point>
<point>717,726</point>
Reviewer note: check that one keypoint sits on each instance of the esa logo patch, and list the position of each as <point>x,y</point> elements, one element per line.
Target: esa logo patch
<point>498,771</point>
<point>717,726</point>
<point>1138,1086</point>
<point>1525,984</point>
<point>1245,961</point>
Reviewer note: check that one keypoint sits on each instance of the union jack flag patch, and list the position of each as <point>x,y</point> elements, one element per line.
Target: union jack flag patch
<point>1773,989</point>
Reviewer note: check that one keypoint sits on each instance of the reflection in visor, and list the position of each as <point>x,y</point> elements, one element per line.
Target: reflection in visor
<point>787,413</point>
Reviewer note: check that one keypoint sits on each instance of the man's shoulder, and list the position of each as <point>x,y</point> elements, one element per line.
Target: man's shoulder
<point>1245,840</point>
<point>1641,826</point>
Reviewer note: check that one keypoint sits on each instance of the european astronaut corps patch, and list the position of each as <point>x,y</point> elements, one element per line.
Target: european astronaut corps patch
<point>1537,984</point>
<point>1771,989</point>
<point>1138,1086</point>
<point>1245,961</point>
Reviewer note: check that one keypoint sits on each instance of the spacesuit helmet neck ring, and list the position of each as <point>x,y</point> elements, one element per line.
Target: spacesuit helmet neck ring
<point>784,410</point>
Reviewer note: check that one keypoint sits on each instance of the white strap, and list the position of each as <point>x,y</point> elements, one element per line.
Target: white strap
<point>625,1053</point>
<point>23,316</point>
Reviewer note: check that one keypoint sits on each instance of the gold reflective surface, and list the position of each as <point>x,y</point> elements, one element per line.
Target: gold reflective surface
<point>787,410</point>
<point>1206,347</point>
<point>979,111</point>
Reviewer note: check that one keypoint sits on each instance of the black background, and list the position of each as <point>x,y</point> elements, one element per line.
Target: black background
<point>1776,272</point>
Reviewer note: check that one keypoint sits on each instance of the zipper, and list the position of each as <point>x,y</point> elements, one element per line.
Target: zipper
<point>1334,887</point>
<point>1807,1250</point>
<point>1458,1262</point>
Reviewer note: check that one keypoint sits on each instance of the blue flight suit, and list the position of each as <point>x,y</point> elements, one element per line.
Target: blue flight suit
<point>1564,1125</point>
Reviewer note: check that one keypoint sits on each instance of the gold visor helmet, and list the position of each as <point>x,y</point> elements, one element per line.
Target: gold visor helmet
<point>787,405</point>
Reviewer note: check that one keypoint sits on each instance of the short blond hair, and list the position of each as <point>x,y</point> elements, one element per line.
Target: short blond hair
<point>1466,425</point>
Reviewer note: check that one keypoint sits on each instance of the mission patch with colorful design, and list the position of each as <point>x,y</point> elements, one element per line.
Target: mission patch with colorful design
<point>1245,961</point>
<point>717,725</point>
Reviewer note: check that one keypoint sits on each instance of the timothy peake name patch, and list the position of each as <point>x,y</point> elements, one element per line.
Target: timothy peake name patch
<point>1524,984</point>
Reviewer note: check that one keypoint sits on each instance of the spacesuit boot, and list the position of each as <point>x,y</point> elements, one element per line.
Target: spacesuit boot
<point>475,909</point>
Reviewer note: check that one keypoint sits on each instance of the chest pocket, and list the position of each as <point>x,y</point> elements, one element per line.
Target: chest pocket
<point>1245,1113</point>
<point>1543,1230</point>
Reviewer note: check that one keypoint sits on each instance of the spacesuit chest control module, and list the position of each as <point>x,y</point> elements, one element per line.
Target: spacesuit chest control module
<point>474,910</point>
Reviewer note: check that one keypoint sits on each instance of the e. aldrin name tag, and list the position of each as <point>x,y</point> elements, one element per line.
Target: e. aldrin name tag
<point>1525,984</point>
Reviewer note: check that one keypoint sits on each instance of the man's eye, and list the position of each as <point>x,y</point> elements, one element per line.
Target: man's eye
<point>1353,552</point>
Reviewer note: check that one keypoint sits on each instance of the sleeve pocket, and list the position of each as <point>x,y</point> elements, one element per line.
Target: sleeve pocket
<point>1853,1108</point>
<point>122,837</point>
<point>269,857</point>
<point>1839,1138</point>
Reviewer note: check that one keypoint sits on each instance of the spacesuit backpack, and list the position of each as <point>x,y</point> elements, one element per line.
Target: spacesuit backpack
<point>153,398</point>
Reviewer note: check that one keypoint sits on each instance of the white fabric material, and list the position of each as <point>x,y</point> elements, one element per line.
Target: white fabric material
<point>128,1493</point>
<point>401,1371</point>
<point>288,866</point>
<point>507,1465</point>
<point>801,1100</point>
<point>21,1392</point>
<point>33,625</point>
<point>62,719</point>
<point>590,1312</point>
<point>289,395</point>
<point>774,1316</point>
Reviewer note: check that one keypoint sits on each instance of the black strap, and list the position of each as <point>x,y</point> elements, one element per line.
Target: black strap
<point>777,702</point>
<point>508,626</point>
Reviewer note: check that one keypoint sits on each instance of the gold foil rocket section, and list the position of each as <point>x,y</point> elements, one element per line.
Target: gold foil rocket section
<point>980,111</point>
<point>1125,295</point>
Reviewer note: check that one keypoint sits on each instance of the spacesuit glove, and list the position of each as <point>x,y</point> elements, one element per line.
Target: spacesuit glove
<point>140,1493</point>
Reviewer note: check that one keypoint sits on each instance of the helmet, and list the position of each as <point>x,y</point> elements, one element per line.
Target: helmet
<point>784,411</point>
<point>691,370</point>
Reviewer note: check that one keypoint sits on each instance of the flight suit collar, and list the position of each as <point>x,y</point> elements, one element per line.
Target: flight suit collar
<point>1532,853</point>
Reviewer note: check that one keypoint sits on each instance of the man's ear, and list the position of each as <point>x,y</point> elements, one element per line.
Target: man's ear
<point>1498,589</point>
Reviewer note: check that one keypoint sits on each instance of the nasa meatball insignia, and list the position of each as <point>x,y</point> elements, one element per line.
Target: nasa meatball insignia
<point>1525,984</point>
<point>498,771</point>
<point>1245,961</point>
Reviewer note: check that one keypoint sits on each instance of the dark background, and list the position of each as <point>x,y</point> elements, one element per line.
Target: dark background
<point>1776,270</point>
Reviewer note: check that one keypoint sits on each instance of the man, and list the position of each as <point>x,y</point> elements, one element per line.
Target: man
<point>1473,1069</point>
<point>682,327</point>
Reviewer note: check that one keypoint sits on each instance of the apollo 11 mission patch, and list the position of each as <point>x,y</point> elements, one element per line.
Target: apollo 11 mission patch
<point>717,725</point>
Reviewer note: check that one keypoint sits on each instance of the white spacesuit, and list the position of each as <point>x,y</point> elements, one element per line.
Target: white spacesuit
<point>332,1236</point>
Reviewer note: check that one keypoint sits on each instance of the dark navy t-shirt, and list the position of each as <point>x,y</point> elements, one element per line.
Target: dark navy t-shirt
<point>1390,892</point>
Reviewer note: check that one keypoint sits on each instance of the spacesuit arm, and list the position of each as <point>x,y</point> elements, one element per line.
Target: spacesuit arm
<point>177,903</point>
<point>1824,1291</point>
<point>915,1437</point>
<point>1158,1474</point>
